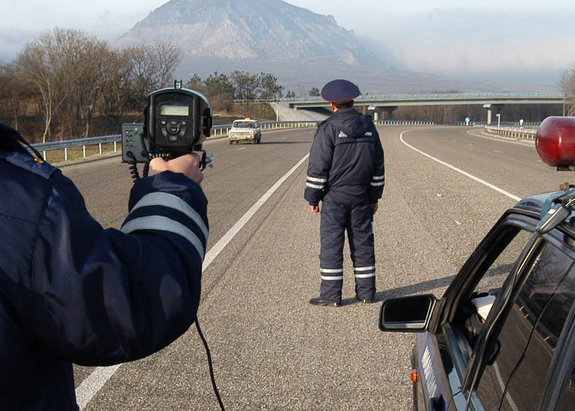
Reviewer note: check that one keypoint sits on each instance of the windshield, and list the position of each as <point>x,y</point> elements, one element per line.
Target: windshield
<point>244,124</point>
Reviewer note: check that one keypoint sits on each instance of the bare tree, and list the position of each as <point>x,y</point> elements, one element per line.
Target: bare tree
<point>41,62</point>
<point>151,67</point>
<point>117,89</point>
<point>87,66</point>
<point>14,93</point>
<point>568,87</point>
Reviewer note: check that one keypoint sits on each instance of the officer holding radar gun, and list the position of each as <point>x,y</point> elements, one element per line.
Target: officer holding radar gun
<point>346,173</point>
<point>74,292</point>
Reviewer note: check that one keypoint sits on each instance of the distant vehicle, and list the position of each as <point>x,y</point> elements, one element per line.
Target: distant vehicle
<point>245,130</point>
<point>502,337</point>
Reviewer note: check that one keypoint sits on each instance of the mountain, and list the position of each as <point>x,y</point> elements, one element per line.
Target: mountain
<point>301,48</point>
<point>250,29</point>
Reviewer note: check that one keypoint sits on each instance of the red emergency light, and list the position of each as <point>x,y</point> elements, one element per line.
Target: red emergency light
<point>555,141</point>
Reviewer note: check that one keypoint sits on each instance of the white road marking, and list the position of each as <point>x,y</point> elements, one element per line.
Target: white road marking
<point>501,139</point>
<point>466,174</point>
<point>96,380</point>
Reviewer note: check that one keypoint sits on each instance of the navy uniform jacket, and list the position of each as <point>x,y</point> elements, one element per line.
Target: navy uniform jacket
<point>346,159</point>
<point>73,292</point>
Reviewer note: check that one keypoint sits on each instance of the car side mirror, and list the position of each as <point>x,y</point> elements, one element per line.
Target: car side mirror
<point>407,314</point>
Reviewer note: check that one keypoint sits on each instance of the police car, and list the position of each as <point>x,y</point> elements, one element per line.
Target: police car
<point>502,337</point>
<point>245,130</point>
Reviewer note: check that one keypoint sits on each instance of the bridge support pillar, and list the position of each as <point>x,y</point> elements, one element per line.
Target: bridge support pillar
<point>390,111</point>
<point>377,110</point>
<point>490,107</point>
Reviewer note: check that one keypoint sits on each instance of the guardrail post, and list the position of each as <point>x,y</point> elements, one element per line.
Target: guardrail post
<point>65,153</point>
<point>83,151</point>
<point>100,147</point>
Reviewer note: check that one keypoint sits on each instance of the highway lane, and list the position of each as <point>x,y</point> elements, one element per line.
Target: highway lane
<point>271,349</point>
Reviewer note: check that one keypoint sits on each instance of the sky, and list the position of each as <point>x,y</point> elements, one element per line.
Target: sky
<point>512,40</point>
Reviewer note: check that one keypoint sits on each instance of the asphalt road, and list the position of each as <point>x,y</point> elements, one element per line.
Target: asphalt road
<point>271,349</point>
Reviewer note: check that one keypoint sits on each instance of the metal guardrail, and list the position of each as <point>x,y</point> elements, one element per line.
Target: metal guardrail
<point>404,123</point>
<point>515,132</point>
<point>222,130</point>
<point>217,131</point>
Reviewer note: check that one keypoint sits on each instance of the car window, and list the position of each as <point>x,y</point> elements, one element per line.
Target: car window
<point>516,378</point>
<point>493,269</point>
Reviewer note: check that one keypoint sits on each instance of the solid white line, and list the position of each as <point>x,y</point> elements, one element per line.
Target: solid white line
<point>91,385</point>
<point>96,380</point>
<point>224,241</point>
<point>485,183</point>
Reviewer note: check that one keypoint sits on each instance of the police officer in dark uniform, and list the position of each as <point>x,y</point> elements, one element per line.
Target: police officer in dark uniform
<point>346,173</point>
<point>73,292</point>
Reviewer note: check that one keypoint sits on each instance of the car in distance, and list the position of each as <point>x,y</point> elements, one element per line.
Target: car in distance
<point>245,130</point>
<point>502,337</point>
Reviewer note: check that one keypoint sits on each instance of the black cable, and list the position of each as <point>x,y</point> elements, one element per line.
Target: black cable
<point>209,355</point>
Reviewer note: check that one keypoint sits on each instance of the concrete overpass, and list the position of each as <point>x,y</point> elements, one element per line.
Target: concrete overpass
<point>390,102</point>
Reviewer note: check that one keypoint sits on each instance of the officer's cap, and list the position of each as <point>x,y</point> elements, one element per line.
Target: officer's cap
<point>339,91</point>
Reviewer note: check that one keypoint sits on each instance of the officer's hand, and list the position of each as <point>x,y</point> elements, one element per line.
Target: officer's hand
<point>186,164</point>
<point>314,209</point>
<point>374,207</point>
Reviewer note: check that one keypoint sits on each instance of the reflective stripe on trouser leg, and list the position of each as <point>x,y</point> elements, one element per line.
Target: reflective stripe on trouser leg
<point>360,234</point>
<point>332,229</point>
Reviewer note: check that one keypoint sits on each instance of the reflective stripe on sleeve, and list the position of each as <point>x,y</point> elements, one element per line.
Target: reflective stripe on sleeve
<point>316,179</point>
<point>380,184</point>
<point>314,186</point>
<point>176,203</point>
<point>160,223</point>
<point>317,183</point>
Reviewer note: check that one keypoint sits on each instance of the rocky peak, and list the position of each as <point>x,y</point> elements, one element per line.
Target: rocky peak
<point>249,29</point>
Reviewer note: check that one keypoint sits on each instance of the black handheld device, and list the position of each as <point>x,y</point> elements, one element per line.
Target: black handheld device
<point>176,121</point>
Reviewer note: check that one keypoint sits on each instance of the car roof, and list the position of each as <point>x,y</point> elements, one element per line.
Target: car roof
<point>539,205</point>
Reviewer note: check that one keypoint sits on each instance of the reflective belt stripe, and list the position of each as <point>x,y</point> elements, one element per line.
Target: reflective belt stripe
<point>316,179</point>
<point>332,278</point>
<point>164,224</point>
<point>176,203</point>
<point>314,186</point>
<point>364,268</point>
<point>365,275</point>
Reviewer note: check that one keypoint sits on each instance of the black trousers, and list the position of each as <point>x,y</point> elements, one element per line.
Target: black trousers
<point>355,218</point>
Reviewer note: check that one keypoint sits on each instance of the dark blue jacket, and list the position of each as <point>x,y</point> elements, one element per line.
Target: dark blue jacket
<point>73,292</point>
<point>346,159</point>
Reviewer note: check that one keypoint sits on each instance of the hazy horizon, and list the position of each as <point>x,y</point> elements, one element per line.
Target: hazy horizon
<point>512,41</point>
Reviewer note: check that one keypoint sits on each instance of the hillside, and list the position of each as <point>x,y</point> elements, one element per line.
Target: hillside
<point>249,29</point>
